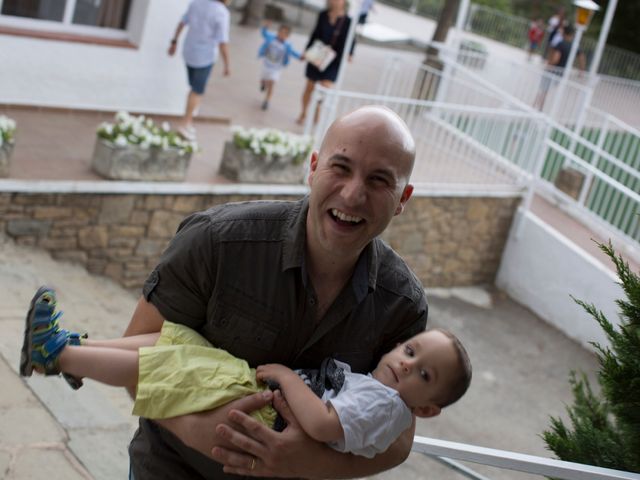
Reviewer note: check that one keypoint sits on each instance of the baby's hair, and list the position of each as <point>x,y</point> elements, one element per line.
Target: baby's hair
<point>459,384</point>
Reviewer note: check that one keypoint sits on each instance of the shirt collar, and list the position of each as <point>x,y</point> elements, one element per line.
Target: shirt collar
<point>366,271</point>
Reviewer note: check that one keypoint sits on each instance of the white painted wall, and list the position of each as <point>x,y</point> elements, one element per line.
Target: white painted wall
<point>57,73</point>
<point>541,269</point>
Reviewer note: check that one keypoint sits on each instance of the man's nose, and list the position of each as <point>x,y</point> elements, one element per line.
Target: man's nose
<point>353,191</point>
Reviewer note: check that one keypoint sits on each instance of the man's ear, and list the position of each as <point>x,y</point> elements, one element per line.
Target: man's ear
<point>404,198</point>
<point>430,410</point>
<point>313,165</point>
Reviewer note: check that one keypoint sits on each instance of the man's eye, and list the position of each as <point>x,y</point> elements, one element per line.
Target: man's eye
<point>380,180</point>
<point>408,350</point>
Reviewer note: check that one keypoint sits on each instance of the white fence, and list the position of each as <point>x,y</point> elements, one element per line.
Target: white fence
<point>461,147</point>
<point>446,451</point>
<point>602,154</point>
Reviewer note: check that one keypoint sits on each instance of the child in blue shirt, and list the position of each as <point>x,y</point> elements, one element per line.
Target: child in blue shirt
<point>275,52</point>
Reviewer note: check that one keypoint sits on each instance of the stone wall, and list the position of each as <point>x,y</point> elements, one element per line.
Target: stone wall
<point>447,241</point>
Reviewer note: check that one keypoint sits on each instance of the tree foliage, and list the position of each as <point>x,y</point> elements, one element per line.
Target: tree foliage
<point>605,428</point>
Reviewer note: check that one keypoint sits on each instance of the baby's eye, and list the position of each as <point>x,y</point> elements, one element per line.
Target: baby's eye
<point>425,375</point>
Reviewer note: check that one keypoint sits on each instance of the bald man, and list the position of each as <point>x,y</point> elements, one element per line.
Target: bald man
<point>290,283</point>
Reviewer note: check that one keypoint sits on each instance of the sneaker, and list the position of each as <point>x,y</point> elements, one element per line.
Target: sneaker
<point>187,132</point>
<point>265,105</point>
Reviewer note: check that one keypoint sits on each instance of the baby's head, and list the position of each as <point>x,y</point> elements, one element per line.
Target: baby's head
<point>284,31</point>
<point>430,371</point>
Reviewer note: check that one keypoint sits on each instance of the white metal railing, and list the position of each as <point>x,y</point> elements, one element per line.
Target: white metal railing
<point>600,140</point>
<point>498,25</point>
<point>405,79</point>
<point>470,147</point>
<point>508,82</point>
<point>503,459</point>
<point>457,146</point>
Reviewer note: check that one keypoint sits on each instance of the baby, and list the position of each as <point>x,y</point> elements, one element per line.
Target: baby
<point>178,372</point>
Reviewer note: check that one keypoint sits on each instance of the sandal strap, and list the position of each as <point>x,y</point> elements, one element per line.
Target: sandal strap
<point>44,323</point>
<point>75,338</point>
<point>46,355</point>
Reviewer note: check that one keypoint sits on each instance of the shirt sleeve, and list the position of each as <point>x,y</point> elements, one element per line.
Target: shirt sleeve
<point>181,285</point>
<point>222,26</point>
<point>187,15</point>
<point>372,416</point>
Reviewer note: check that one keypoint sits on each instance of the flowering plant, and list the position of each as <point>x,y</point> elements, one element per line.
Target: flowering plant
<point>142,131</point>
<point>272,144</point>
<point>7,129</point>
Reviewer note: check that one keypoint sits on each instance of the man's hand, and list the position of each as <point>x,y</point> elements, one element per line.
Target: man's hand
<point>198,430</point>
<point>172,49</point>
<point>265,452</point>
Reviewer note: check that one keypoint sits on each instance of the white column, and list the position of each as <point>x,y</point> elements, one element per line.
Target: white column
<point>602,39</point>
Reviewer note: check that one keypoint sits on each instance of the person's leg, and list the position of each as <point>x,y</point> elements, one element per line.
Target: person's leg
<point>268,92</point>
<point>113,366</point>
<point>193,102</point>
<point>198,77</point>
<point>325,84</point>
<point>125,343</point>
<point>306,98</point>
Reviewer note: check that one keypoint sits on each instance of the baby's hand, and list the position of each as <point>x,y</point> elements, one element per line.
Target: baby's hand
<point>272,371</point>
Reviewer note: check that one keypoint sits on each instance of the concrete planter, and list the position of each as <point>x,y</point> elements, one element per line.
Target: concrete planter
<point>244,166</point>
<point>5,158</point>
<point>133,163</point>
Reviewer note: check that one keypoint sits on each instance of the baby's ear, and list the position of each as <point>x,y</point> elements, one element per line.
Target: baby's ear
<point>430,410</point>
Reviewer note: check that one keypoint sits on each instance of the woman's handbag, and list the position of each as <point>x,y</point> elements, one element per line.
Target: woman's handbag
<point>320,55</point>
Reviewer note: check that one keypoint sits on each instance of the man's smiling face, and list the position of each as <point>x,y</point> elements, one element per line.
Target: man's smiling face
<point>358,182</point>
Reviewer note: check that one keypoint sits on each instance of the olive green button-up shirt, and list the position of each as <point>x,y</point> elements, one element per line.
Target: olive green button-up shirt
<point>236,274</point>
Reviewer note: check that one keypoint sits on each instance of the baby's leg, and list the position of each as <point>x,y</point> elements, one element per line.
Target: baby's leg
<point>113,361</point>
<point>125,343</point>
<point>113,366</point>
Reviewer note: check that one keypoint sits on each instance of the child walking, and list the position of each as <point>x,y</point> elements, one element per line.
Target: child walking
<point>177,372</point>
<point>275,52</point>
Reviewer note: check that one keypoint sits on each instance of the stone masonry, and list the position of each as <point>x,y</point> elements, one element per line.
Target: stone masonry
<point>447,241</point>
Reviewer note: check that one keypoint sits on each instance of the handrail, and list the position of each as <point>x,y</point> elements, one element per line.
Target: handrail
<point>517,461</point>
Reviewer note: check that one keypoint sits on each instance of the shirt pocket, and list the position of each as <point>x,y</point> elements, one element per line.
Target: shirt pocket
<point>250,334</point>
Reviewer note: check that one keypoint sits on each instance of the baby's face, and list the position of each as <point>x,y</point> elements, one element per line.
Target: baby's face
<point>419,369</point>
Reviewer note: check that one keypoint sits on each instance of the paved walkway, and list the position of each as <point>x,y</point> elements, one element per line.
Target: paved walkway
<point>84,434</point>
